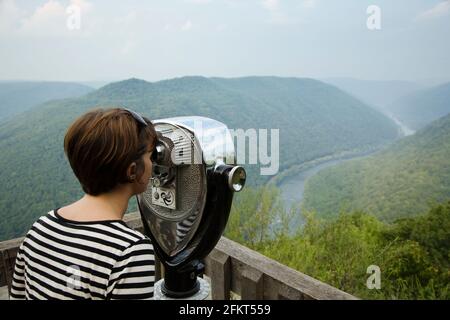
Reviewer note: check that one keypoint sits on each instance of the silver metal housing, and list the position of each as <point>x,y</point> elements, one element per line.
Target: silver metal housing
<point>196,144</point>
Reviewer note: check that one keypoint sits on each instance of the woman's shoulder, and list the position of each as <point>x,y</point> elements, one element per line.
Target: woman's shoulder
<point>115,233</point>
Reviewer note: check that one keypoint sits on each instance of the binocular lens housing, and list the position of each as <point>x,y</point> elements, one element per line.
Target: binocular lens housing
<point>236,178</point>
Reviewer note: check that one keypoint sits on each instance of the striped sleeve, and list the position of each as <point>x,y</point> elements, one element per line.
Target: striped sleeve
<point>18,281</point>
<point>133,275</point>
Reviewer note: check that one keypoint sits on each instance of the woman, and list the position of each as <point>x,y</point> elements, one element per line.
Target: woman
<point>84,250</point>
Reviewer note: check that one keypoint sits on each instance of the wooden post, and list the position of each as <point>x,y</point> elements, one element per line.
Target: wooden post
<point>3,270</point>
<point>287,293</point>
<point>158,269</point>
<point>252,287</point>
<point>7,261</point>
<point>220,273</point>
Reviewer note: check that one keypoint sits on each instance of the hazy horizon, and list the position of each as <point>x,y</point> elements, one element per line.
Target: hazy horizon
<point>99,83</point>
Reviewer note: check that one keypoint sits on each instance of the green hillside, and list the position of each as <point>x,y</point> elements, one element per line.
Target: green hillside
<point>412,253</point>
<point>421,108</point>
<point>402,181</point>
<point>19,96</point>
<point>315,119</point>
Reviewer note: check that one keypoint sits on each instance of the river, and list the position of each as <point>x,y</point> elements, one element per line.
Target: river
<point>292,188</point>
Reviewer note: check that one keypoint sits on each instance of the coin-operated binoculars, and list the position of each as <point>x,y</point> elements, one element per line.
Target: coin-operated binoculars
<point>186,206</point>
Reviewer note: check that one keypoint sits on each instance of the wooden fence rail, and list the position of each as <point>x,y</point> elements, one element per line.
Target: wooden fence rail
<point>231,268</point>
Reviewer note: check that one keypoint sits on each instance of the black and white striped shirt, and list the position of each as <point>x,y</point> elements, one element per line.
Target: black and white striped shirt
<point>64,259</point>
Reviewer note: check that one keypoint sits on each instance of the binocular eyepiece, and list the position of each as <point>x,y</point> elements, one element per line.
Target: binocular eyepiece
<point>163,175</point>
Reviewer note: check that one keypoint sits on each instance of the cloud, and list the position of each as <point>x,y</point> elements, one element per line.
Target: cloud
<point>271,5</point>
<point>198,1</point>
<point>128,47</point>
<point>276,14</point>
<point>48,19</point>
<point>85,6</point>
<point>221,27</point>
<point>309,3</point>
<point>9,16</point>
<point>129,18</point>
<point>439,10</point>
<point>187,26</point>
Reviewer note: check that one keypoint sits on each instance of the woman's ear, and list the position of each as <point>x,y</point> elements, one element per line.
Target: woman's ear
<point>131,172</point>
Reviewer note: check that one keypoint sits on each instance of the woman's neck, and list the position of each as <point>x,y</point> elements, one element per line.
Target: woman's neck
<point>107,206</point>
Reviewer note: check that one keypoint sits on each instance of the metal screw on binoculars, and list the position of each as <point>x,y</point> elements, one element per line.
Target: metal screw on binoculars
<point>186,206</point>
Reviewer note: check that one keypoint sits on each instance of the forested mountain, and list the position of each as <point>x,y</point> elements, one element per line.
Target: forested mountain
<point>419,109</point>
<point>403,180</point>
<point>19,96</point>
<point>411,253</point>
<point>379,94</point>
<point>314,119</point>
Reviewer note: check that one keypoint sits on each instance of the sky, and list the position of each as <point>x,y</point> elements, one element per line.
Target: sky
<point>89,40</point>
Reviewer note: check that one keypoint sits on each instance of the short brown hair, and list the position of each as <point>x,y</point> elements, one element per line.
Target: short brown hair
<point>101,144</point>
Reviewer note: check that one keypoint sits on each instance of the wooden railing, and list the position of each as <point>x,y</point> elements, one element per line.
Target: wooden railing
<point>231,268</point>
